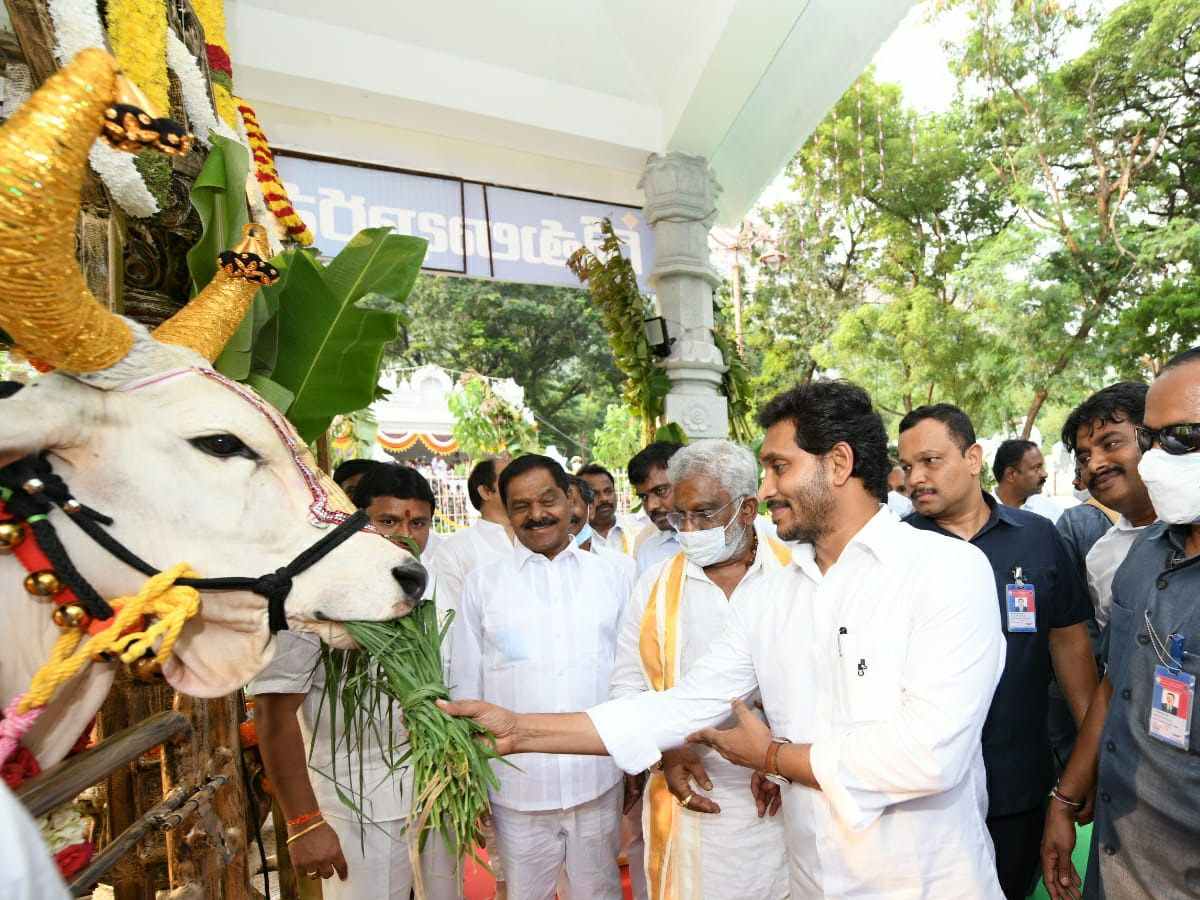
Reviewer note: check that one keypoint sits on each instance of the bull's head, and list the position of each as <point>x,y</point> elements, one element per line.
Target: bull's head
<point>192,467</point>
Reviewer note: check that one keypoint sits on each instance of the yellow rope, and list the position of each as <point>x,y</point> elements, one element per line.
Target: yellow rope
<point>171,605</point>
<point>447,520</point>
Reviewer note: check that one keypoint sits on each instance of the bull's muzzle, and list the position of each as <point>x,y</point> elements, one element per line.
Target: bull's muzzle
<point>412,578</point>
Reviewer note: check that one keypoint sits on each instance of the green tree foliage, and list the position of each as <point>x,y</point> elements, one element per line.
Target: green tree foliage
<point>485,423</point>
<point>547,339</point>
<point>619,438</point>
<point>612,282</point>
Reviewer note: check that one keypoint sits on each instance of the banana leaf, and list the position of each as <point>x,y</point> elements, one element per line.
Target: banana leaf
<point>334,322</point>
<point>219,197</point>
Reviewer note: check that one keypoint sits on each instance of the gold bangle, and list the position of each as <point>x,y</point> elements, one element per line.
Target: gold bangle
<point>300,834</point>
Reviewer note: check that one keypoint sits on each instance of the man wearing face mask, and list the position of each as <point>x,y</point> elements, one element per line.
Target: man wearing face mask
<point>580,499</point>
<point>678,608</point>
<point>1140,757</point>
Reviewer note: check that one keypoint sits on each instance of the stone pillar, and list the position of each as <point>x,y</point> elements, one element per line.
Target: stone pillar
<point>681,192</point>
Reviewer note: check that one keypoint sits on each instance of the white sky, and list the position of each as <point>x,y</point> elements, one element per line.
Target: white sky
<point>913,58</point>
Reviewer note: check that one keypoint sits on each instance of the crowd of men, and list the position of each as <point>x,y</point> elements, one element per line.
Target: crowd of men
<point>933,684</point>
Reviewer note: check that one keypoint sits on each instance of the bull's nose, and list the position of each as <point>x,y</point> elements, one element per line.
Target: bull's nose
<point>412,578</point>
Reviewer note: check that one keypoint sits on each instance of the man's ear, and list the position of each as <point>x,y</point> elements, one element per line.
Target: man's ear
<point>840,460</point>
<point>974,455</point>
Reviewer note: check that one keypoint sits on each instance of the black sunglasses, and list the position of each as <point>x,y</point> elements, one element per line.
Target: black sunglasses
<point>1174,439</point>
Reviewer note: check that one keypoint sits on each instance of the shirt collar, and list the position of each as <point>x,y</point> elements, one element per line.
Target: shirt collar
<point>881,536</point>
<point>524,555</point>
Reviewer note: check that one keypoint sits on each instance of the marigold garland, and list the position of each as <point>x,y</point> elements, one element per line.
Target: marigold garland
<point>268,177</point>
<point>137,30</point>
<point>211,14</point>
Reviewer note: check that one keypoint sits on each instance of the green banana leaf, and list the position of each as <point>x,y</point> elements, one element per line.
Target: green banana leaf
<point>219,196</point>
<point>334,322</point>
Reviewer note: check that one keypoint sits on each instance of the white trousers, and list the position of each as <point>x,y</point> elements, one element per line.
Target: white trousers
<point>380,869</point>
<point>635,852</point>
<point>535,846</point>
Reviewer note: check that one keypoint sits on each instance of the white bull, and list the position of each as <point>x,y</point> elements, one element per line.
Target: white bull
<point>191,467</point>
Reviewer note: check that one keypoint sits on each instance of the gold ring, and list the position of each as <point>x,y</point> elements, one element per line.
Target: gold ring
<point>686,801</point>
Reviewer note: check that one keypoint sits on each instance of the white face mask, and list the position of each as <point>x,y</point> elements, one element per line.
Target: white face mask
<point>585,534</point>
<point>1173,483</point>
<point>1082,496</point>
<point>716,545</point>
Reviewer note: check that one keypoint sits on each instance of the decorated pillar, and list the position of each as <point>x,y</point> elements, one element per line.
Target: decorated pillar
<point>681,192</point>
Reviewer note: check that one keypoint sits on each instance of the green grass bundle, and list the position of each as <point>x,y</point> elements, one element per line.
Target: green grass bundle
<point>400,665</point>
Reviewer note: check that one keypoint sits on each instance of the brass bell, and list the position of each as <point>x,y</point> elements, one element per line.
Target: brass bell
<point>70,616</point>
<point>146,669</point>
<point>45,583</point>
<point>11,534</point>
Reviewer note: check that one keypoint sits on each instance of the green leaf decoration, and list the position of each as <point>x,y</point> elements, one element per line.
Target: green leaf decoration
<point>219,196</point>
<point>271,391</point>
<point>334,322</point>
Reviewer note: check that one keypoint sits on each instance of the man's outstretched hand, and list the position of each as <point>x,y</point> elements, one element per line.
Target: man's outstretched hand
<point>743,745</point>
<point>499,721</point>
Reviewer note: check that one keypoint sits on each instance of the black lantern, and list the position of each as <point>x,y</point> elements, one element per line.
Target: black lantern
<point>657,337</point>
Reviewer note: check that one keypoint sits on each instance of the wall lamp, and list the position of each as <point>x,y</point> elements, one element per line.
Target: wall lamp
<point>657,337</point>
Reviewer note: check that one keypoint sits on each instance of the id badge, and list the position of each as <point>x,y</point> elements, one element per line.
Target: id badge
<point>1170,717</point>
<point>1020,602</point>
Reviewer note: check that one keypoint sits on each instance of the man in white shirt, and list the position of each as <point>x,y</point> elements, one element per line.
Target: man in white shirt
<point>613,532</point>
<point>648,478</point>
<point>368,849</point>
<point>1020,471</point>
<point>898,500</point>
<point>580,500</point>
<point>537,631</point>
<point>678,608</point>
<point>488,538</point>
<point>876,653</point>
<point>1100,432</point>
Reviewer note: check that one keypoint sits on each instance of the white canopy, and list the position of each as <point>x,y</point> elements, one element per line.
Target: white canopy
<point>565,97</point>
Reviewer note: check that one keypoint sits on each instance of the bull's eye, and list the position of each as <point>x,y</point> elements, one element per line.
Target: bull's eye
<point>223,446</point>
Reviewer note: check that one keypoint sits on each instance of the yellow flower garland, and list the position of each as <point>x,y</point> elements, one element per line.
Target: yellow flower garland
<point>211,14</point>
<point>137,30</point>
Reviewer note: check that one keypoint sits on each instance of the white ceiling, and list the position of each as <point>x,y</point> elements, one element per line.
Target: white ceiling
<point>567,96</point>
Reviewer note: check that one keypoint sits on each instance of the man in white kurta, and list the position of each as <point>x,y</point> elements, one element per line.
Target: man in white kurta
<point>536,631</point>
<point>876,654</point>
<point>691,855</point>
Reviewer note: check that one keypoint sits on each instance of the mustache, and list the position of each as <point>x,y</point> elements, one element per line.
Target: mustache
<point>606,506</point>
<point>1111,470</point>
<point>539,523</point>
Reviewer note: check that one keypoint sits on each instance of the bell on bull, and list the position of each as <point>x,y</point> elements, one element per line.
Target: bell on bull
<point>191,467</point>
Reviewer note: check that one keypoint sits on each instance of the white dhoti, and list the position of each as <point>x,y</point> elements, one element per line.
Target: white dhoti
<point>585,839</point>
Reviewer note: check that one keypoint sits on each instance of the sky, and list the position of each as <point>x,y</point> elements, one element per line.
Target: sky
<point>913,58</point>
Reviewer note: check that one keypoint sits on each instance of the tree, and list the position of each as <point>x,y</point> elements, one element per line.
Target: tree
<point>547,339</point>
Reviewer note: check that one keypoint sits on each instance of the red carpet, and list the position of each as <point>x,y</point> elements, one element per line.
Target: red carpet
<point>479,885</point>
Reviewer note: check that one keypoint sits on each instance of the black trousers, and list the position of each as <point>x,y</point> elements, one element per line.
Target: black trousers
<point>1018,841</point>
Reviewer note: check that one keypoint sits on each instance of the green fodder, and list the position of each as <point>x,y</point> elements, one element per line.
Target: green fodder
<point>400,664</point>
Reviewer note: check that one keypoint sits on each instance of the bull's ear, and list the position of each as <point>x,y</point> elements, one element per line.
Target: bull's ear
<point>48,413</point>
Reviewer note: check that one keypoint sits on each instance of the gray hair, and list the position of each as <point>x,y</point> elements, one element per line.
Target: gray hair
<point>731,466</point>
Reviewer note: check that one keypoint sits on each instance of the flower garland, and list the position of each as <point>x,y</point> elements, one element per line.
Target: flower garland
<point>267,175</point>
<point>76,27</point>
<point>138,32</point>
<point>211,14</point>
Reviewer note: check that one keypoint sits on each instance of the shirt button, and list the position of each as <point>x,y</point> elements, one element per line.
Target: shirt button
<point>1162,584</point>
<point>1143,639</point>
<point>1110,850</point>
<point>1105,796</point>
<point>1126,694</point>
<point>1112,746</point>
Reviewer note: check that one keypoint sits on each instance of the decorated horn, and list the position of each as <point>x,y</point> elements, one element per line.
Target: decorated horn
<point>45,304</point>
<point>209,321</point>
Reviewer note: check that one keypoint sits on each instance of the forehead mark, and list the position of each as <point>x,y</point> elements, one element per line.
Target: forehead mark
<point>322,509</point>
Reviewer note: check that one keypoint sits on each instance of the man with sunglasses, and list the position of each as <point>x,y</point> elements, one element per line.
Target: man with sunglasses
<point>1143,761</point>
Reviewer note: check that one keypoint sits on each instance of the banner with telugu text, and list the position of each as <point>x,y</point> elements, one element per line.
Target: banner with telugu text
<point>474,229</point>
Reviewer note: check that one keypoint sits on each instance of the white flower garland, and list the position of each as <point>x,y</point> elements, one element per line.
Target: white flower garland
<point>195,92</point>
<point>77,27</point>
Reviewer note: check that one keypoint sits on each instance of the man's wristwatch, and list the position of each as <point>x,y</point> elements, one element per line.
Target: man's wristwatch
<point>771,767</point>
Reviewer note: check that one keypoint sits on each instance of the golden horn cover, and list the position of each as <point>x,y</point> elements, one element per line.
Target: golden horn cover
<point>209,321</point>
<point>45,304</point>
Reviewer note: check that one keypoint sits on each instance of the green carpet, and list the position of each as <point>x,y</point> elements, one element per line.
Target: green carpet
<point>1083,839</point>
